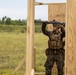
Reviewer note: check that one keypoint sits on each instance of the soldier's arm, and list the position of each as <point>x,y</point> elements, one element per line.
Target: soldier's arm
<point>44,29</point>
<point>63,31</point>
<point>63,35</point>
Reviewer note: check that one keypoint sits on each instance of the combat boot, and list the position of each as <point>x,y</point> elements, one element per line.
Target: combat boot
<point>48,73</point>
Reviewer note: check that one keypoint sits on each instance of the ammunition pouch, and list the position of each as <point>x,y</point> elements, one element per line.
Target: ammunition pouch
<point>47,51</point>
<point>55,44</point>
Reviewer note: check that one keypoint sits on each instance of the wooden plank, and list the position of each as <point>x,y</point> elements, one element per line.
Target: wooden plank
<point>39,73</point>
<point>34,58</point>
<point>71,38</point>
<point>23,61</point>
<point>30,37</point>
<point>39,3</point>
<point>32,72</point>
<point>20,65</point>
<point>56,12</point>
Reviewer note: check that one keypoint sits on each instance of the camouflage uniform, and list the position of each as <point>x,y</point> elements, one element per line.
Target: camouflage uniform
<point>54,55</point>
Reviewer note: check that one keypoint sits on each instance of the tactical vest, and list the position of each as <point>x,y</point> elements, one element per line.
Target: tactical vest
<point>55,41</point>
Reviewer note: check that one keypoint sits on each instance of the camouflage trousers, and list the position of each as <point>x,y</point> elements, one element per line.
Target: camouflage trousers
<point>54,56</point>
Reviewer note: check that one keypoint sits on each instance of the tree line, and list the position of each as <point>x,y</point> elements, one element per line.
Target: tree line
<point>8,21</point>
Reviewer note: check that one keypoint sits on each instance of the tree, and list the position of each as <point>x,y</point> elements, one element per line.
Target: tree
<point>8,21</point>
<point>38,21</point>
<point>0,21</point>
<point>4,19</point>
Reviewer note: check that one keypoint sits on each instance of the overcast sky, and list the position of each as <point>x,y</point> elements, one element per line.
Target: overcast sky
<point>17,9</point>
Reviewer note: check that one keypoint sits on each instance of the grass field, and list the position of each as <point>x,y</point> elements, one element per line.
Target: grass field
<point>13,49</point>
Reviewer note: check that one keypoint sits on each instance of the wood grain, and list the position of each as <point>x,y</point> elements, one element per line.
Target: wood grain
<point>71,38</point>
<point>56,12</point>
<point>30,37</point>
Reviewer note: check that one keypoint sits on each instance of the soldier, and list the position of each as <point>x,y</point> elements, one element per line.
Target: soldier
<point>55,51</point>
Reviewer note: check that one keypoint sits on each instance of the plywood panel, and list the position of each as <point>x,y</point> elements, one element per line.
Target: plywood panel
<point>56,12</point>
<point>71,38</point>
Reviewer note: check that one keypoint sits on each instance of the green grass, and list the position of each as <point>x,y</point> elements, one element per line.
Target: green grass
<point>17,28</point>
<point>41,45</point>
<point>13,49</point>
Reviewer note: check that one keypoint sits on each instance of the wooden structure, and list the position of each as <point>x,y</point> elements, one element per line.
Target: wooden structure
<point>71,38</point>
<point>30,36</point>
<point>70,65</point>
<point>56,11</point>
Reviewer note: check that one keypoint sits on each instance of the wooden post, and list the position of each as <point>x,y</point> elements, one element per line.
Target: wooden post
<point>30,37</point>
<point>32,72</point>
<point>71,38</point>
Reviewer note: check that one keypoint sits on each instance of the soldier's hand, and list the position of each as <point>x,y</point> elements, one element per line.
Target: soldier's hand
<point>45,22</point>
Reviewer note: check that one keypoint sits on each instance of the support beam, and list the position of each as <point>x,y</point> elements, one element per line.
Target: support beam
<point>23,61</point>
<point>32,72</point>
<point>40,3</point>
<point>30,37</point>
<point>20,65</point>
<point>71,38</point>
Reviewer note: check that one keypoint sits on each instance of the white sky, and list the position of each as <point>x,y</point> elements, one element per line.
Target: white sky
<point>17,9</point>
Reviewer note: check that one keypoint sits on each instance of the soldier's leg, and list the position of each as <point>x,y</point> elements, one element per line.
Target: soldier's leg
<point>48,67</point>
<point>49,63</point>
<point>48,71</point>
<point>63,52</point>
<point>60,64</point>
